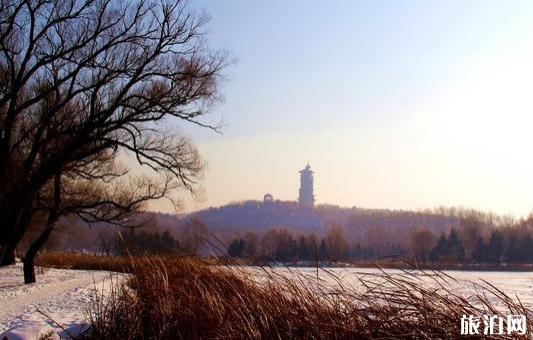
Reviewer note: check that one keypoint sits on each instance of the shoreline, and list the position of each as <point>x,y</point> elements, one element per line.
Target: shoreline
<point>399,265</point>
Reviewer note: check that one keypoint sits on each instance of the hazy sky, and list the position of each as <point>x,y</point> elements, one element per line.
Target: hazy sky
<point>395,104</point>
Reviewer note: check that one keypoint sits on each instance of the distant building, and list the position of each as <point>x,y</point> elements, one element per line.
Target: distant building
<point>268,198</point>
<point>307,197</point>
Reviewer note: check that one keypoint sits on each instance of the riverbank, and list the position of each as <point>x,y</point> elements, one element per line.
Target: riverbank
<point>395,264</point>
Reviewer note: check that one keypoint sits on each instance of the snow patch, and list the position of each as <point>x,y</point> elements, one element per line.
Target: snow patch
<point>56,305</point>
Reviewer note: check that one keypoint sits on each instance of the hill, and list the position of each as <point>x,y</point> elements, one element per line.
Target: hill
<point>358,223</point>
<point>378,228</point>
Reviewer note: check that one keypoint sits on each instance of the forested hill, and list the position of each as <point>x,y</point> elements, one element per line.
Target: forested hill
<point>379,228</point>
<point>259,217</point>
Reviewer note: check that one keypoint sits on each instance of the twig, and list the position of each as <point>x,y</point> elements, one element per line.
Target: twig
<point>57,323</point>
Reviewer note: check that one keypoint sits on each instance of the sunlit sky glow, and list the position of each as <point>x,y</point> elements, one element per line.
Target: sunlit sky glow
<point>395,104</point>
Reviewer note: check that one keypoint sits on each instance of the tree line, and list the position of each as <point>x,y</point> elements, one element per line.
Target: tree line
<point>132,242</point>
<point>283,245</point>
<point>465,245</point>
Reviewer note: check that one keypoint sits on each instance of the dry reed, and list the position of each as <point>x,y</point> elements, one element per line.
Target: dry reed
<point>183,298</point>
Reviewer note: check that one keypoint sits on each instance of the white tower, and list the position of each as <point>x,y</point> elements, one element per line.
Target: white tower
<point>307,197</point>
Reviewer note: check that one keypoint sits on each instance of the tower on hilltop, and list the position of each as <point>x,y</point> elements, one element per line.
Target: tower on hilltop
<point>307,197</point>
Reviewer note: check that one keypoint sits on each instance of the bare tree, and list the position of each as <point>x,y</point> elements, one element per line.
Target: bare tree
<point>93,198</point>
<point>472,226</point>
<point>194,235</point>
<point>83,82</point>
<point>336,243</point>
<point>422,241</point>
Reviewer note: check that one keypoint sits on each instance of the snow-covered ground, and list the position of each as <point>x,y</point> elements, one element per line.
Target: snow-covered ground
<point>63,296</point>
<point>59,295</point>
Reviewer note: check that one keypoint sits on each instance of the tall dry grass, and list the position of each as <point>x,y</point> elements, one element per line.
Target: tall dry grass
<point>178,298</point>
<point>84,261</point>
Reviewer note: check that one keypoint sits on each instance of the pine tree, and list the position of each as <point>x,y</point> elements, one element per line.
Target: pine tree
<point>439,250</point>
<point>496,247</point>
<point>480,253</point>
<point>236,248</point>
<point>513,253</point>
<point>520,249</point>
<point>456,250</point>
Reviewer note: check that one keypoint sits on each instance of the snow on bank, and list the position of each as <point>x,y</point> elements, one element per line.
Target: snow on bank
<point>63,295</point>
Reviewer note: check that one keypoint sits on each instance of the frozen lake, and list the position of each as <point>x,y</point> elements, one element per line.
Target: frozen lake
<point>514,284</point>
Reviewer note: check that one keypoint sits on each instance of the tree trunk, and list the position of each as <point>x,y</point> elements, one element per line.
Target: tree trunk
<point>29,257</point>
<point>15,229</point>
<point>29,269</point>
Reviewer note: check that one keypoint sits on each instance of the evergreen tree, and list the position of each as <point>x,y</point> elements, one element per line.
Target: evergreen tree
<point>520,249</point>
<point>439,250</point>
<point>167,241</point>
<point>456,251</point>
<point>480,253</point>
<point>236,248</point>
<point>307,247</point>
<point>357,251</point>
<point>528,249</point>
<point>496,247</point>
<point>513,253</point>
<point>286,246</point>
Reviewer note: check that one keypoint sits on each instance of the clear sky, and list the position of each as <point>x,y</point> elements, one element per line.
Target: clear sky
<point>395,104</point>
